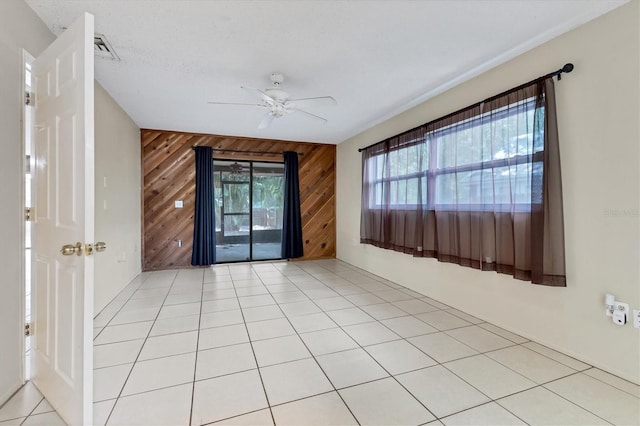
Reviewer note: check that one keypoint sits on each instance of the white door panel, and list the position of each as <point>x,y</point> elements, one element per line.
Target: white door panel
<point>62,360</point>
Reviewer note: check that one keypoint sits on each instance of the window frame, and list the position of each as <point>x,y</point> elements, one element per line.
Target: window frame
<point>432,171</point>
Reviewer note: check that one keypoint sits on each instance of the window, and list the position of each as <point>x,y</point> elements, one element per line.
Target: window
<point>486,162</point>
<point>479,187</point>
<point>402,174</point>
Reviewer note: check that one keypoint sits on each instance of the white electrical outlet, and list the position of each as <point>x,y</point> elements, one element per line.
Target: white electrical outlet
<point>636,318</point>
<point>619,318</point>
<point>620,313</point>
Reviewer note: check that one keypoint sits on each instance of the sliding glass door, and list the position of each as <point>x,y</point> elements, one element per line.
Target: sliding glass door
<point>267,206</point>
<point>232,182</point>
<point>249,201</point>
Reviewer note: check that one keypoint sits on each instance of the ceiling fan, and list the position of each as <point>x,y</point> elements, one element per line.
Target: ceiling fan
<point>277,103</point>
<point>236,168</point>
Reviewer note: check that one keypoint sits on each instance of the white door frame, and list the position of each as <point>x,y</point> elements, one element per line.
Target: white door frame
<point>27,58</point>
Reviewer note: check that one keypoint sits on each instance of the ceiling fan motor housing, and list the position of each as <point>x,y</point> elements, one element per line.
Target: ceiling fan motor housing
<point>276,78</point>
<point>278,95</point>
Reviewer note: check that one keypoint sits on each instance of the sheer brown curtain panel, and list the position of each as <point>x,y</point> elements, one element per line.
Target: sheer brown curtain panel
<point>480,188</point>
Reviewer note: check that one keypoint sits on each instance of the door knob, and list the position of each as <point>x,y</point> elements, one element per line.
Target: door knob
<point>70,249</point>
<point>100,246</point>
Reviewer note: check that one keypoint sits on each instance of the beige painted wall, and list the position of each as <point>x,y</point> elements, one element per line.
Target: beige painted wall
<point>20,28</point>
<point>598,109</point>
<point>117,160</point>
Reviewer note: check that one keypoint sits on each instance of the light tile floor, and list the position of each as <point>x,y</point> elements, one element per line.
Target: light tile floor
<point>320,342</point>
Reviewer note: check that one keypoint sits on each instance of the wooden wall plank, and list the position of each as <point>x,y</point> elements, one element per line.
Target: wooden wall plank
<point>169,175</point>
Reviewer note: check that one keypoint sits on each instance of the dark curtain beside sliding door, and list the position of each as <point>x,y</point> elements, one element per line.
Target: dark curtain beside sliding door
<point>292,222</point>
<point>204,223</point>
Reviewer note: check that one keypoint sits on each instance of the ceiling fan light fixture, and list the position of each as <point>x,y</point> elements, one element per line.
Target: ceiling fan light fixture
<point>277,102</point>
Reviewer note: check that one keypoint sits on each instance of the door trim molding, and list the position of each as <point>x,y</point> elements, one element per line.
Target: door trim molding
<point>27,58</point>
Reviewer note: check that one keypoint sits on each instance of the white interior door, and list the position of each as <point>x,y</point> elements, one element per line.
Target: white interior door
<point>62,289</point>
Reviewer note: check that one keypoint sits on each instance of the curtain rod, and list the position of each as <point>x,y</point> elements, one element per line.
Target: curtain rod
<point>567,68</point>
<point>246,151</point>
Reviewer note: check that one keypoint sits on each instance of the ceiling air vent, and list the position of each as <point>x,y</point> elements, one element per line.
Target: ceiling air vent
<point>103,48</point>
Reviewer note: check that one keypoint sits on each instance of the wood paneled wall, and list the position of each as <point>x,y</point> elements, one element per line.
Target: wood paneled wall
<point>169,174</point>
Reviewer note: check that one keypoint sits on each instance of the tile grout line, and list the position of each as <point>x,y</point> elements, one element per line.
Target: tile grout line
<point>387,371</point>
<point>479,353</point>
<point>117,311</point>
<point>567,399</point>
<point>486,322</point>
<point>498,400</point>
<point>325,312</point>
<point>614,386</point>
<point>102,329</point>
<point>317,363</point>
<point>315,358</point>
<point>491,401</point>
<point>362,348</point>
<point>552,359</point>
<point>108,324</point>
<point>383,368</point>
<point>140,351</point>
<point>484,354</point>
<point>255,358</point>
<point>195,363</point>
<point>442,364</point>
<point>399,339</point>
<point>437,364</point>
<point>32,410</point>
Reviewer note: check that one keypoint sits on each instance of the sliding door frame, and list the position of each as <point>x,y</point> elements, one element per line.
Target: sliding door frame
<point>222,213</point>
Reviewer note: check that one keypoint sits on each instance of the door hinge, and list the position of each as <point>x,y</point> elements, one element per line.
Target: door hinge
<point>28,214</point>
<point>29,98</point>
<point>27,329</point>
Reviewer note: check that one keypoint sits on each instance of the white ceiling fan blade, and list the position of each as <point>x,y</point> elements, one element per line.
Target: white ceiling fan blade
<point>263,93</point>
<point>317,117</point>
<point>324,99</point>
<point>235,103</point>
<point>266,121</point>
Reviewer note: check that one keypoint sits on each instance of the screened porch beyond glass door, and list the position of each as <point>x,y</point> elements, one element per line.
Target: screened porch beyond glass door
<point>249,201</point>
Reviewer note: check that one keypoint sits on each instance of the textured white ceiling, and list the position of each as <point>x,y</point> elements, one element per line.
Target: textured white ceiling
<point>376,58</point>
